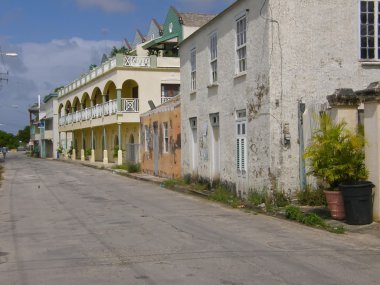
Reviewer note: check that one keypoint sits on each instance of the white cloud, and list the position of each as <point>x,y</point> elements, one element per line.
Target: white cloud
<point>40,68</point>
<point>107,5</point>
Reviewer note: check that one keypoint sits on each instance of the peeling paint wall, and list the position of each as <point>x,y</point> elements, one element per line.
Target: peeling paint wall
<point>297,50</point>
<point>169,163</point>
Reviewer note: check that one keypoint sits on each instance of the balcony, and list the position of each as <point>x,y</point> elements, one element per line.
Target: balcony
<point>118,61</point>
<point>128,105</point>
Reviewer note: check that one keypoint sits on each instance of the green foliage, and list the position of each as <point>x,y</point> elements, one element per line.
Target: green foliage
<point>311,219</point>
<point>336,154</point>
<point>8,140</point>
<point>87,152</point>
<point>92,66</point>
<point>221,194</point>
<point>311,197</point>
<point>281,199</point>
<point>24,135</point>
<point>123,50</point>
<point>133,167</point>
<point>60,148</point>
<point>257,197</point>
<point>115,151</point>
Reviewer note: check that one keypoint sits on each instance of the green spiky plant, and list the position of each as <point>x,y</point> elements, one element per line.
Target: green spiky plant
<point>336,154</point>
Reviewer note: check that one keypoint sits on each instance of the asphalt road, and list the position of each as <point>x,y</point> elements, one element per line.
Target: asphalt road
<point>68,224</point>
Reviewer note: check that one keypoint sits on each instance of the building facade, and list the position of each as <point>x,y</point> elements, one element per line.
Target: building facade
<point>101,109</point>
<point>249,76</point>
<point>160,150</point>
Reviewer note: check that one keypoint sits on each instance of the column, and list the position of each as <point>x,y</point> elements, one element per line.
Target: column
<point>371,99</point>
<point>73,146</point>
<point>105,151</point>
<point>66,150</point>
<point>104,102</point>
<point>119,152</point>
<point>118,100</point>
<point>82,156</point>
<point>344,106</point>
<point>92,158</point>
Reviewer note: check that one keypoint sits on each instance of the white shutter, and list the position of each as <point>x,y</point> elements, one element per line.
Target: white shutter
<point>238,154</point>
<point>242,159</point>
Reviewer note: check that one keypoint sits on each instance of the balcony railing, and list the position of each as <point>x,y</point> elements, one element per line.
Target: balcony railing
<point>130,105</point>
<point>100,110</point>
<point>165,99</point>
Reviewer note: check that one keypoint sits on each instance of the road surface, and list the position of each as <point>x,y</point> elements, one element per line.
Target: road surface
<point>66,224</point>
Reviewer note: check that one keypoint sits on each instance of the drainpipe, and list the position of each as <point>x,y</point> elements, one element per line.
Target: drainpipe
<point>302,171</point>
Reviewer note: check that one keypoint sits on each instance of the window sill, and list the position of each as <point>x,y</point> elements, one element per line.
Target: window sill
<point>369,63</point>
<point>193,93</point>
<point>212,85</point>
<point>241,74</point>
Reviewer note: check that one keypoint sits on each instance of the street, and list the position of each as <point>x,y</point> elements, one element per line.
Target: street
<point>62,223</point>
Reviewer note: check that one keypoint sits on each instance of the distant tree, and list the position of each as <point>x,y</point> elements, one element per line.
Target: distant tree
<point>8,140</point>
<point>58,88</point>
<point>24,135</point>
<point>122,50</point>
<point>92,66</point>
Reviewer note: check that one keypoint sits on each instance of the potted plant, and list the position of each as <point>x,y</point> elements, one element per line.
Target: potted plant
<point>336,156</point>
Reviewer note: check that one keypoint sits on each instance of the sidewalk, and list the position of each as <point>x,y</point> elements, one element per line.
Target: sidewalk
<point>371,229</point>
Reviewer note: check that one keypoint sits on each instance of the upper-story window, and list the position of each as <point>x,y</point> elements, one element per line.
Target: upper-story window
<point>369,30</point>
<point>165,137</point>
<point>214,57</point>
<point>193,65</point>
<point>241,43</point>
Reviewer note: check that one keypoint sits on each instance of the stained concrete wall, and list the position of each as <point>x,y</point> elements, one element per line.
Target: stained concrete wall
<point>297,51</point>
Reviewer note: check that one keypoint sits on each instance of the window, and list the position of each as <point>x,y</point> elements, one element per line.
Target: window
<point>193,122</point>
<point>165,137</point>
<point>241,41</point>
<point>369,30</point>
<point>146,135</point>
<point>193,69</point>
<point>213,57</point>
<point>241,139</point>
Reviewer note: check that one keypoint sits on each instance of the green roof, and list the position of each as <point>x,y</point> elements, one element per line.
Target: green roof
<point>48,97</point>
<point>160,40</point>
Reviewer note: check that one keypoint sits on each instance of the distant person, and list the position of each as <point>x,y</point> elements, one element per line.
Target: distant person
<point>4,151</point>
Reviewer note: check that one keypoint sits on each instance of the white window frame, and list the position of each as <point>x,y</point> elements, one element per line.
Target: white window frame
<point>165,137</point>
<point>213,58</point>
<point>146,134</point>
<point>193,69</point>
<point>241,43</point>
<point>241,142</point>
<point>368,43</point>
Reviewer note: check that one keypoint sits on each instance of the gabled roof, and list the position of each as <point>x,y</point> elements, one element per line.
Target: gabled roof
<point>195,20</point>
<point>127,44</point>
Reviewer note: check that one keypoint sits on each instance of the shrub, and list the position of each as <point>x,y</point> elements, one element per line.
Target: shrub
<point>293,213</point>
<point>133,167</point>
<point>336,154</point>
<point>281,199</point>
<point>311,197</point>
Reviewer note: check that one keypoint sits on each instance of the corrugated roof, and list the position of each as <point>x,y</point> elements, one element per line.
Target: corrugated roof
<point>195,20</point>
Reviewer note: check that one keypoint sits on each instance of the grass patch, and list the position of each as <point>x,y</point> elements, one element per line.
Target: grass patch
<point>171,183</point>
<point>130,167</point>
<point>311,219</point>
<point>221,194</point>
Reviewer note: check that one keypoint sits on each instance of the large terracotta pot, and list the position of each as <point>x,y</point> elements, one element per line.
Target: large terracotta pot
<point>335,204</point>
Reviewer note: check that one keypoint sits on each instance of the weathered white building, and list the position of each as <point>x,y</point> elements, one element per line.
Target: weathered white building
<point>251,75</point>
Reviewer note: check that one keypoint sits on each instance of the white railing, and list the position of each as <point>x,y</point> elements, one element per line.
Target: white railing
<point>139,61</point>
<point>130,105</point>
<point>165,99</point>
<point>109,108</point>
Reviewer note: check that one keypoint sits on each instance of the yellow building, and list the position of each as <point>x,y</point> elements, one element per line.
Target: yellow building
<point>99,113</point>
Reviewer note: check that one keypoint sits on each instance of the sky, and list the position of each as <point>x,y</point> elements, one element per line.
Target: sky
<point>57,40</point>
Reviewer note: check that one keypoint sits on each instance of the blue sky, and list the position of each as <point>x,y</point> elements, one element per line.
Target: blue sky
<point>57,40</point>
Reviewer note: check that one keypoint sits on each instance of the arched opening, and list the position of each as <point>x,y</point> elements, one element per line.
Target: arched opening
<point>96,97</point>
<point>67,107</point>
<point>130,89</point>
<point>76,104</point>
<point>110,91</point>
<point>116,141</point>
<point>60,109</point>
<point>131,139</point>
<point>86,101</point>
